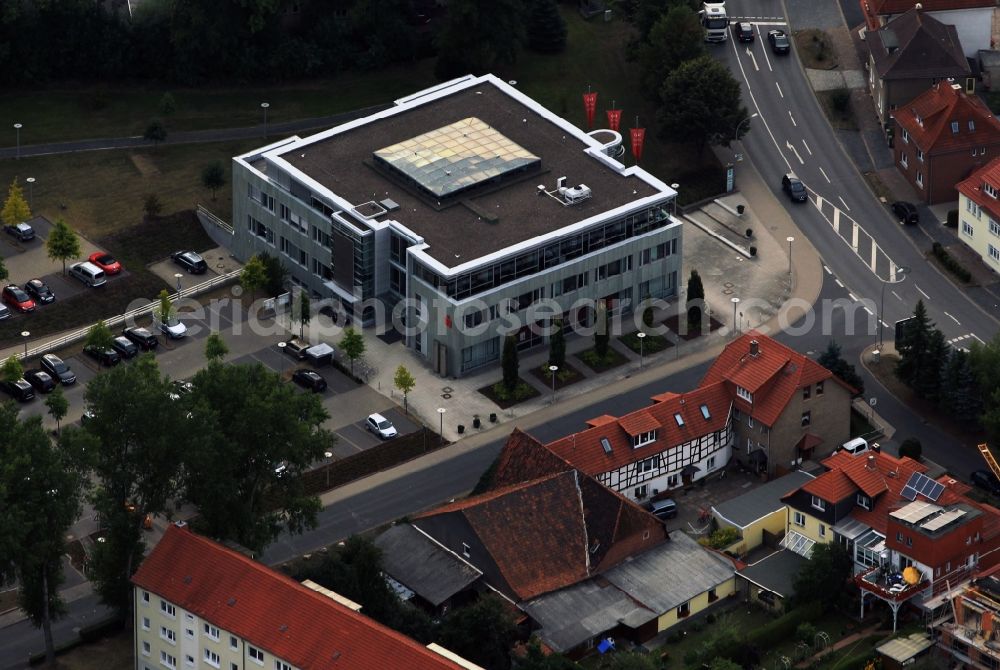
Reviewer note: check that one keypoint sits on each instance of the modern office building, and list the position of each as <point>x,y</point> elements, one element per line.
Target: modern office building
<point>468,210</point>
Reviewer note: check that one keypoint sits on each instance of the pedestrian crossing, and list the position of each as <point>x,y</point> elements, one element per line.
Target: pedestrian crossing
<point>864,246</point>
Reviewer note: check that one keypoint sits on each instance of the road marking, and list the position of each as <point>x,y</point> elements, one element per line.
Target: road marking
<point>844,204</point>
<point>836,220</point>
<point>874,257</point>
<point>793,119</point>
<point>838,283</point>
<point>959,338</point>
<point>757,107</point>
<point>779,89</point>
<point>750,53</point>
<point>822,172</point>
<point>922,292</point>
<point>884,324</point>
<point>870,313</point>
<point>977,337</point>
<point>807,146</point>
<point>854,236</point>
<point>819,202</point>
<point>767,59</point>
<point>828,270</point>
<point>953,318</point>
<point>851,296</point>
<point>794,151</point>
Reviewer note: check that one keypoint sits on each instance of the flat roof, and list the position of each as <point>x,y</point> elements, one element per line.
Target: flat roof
<point>763,500</point>
<point>775,573</point>
<point>498,212</point>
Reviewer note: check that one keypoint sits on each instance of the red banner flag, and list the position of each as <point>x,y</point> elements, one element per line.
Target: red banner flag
<point>638,137</point>
<point>590,106</point>
<point>614,119</point>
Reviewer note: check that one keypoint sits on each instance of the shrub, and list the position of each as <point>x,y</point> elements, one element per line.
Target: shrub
<point>723,537</point>
<point>950,263</point>
<point>806,632</point>
<point>710,618</point>
<point>782,628</point>
<point>674,636</point>
<point>952,221</point>
<point>911,447</point>
<point>841,100</point>
<point>697,626</point>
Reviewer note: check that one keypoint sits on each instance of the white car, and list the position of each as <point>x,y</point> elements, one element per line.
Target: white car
<point>172,328</point>
<point>381,426</point>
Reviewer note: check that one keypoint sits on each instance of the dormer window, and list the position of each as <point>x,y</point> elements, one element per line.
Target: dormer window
<point>864,501</point>
<point>679,419</point>
<point>920,120</point>
<point>954,127</point>
<point>643,438</point>
<point>989,190</point>
<point>743,393</point>
<point>819,504</point>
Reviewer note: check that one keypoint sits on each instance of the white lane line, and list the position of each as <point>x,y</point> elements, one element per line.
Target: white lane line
<point>779,89</point>
<point>953,318</point>
<point>851,296</point>
<point>828,270</point>
<point>844,204</point>
<point>922,292</point>
<point>897,296</point>
<point>822,172</point>
<point>807,146</point>
<point>757,107</point>
<point>854,235</point>
<point>977,337</point>
<point>767,58</point>
<point>793,120</point>
<point>750,53</point>
<point>874,256</point>
<point>838,283</point>
<point>884,324</point>
<point>870,313</point>
<point>795,151</point>
<point>819,202</point>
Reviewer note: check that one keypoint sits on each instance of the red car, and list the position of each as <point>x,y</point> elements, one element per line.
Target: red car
<point>106,262</point>
<point>15,296</point>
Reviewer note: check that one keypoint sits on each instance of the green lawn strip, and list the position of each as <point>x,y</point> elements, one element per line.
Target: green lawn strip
<point>495,392</point>
<point>612,359</point>
<point>650,344</point>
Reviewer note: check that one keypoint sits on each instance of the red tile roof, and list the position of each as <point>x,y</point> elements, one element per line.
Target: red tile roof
<point>831,486</point>
<point>272,611</point>
<point>938,108</point>
<point>972,187</point>
<point>638,422</point>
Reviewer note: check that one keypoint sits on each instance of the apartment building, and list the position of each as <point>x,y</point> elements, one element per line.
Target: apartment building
<point>979,213</point>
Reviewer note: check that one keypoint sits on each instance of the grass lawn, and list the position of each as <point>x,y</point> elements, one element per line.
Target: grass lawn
<point>815,50</point>
<point>612,359</point>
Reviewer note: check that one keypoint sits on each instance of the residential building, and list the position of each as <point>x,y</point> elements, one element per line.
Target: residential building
<point>974,20</point>
<point>943,135</point>
<point>770,581</point>
<point>760,515</point>
<point>582,562</point>
<point>466,211</point>
<point>979,213</point>
<point>968,634</point>
<point>201,605</point>
<point>908,55</point>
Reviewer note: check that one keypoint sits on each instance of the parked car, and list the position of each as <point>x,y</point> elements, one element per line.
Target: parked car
<point>779,41</point>
<point>309,380</point>
<point>4,312</point>
<point>987,481</point>
<point>106,262</point>
<point>88,273</point>
<point>906,212</point>
<point>664,509</point>
<point>381,426</point>
<point>40,380</point>
<point>125,347</point>
<point>58,369</point>
<point>190,261</point>
<point>743,31</point>
<point>795,189</point>
<point>172,327</point>
<point>106,357</point>
<point>296,348</point>
<point>40,291</point>
<point>21,231</point>
<point>18,299</point>
<point>20,390</point>
<point>141,337</point>
<point>855,447</point>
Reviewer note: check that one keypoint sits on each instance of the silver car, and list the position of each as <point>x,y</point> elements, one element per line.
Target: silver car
<point>381,426</point>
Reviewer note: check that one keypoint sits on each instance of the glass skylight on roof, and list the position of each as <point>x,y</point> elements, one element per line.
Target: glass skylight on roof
<point>705,413</point>
<point>457,156</point>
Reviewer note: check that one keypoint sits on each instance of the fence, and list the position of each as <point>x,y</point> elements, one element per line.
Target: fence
<point>212,218</point>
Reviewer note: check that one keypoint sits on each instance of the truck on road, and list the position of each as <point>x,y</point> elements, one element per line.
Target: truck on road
<point>714,21</point>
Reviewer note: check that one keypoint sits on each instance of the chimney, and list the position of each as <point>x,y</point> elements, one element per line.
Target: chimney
<point>754,348</point>
<point>871,462</point>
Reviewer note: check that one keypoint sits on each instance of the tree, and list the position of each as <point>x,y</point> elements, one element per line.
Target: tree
<point>15,207</point>
<point>3,271</point>
<point>557,346</point>
<point>725,664</point>
<point>62,243</point>
<point>711,109</point>
<point>165,310</point>
<point>253,276</point>
<point>913,346</point>
<point>12,369</point>
<point>911,447</point>
<point>960,396</point>
<point>647,313</point>
<point>822,577</point>
<point>535,659</point>
<point>99,336</point>
<point>833,360</point>
<point>546,28</point>
<point>602,336</point>
<point>478,36</point>
<point>276,274</point>
<point>352,344</point>
<point>139,433</point>
<point>58,406</point>
<point>249,424</point>
<point>151,205</point>
<point>695,300</point>
<point>991,417</point>
<point>156,132</point>
<point>482,632</point>
<point>928,381</point>
<point>404,382</point>
<point>213,177</point>
<point>305,311</point>
<point>676,37</point>
<point>167,104</point>
<point>509,363</point>
<point>215,348</point>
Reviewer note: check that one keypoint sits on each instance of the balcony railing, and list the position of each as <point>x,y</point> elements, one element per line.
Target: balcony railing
<point>878,581</point>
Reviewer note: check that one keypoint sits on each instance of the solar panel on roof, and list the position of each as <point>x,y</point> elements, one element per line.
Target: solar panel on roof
<point>909,492</point>
<point>924,485</point>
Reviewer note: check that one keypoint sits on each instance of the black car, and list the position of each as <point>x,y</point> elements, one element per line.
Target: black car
<point>190,261</point>
<point>987,481</point>
<point>41,380</point>
<point>40,291</point>
<point>743,31</point>
<point>125,347</point>
<point>106,357</point>
<point>791,185</point>
<point>58,369</point>
<point>21,231</point>
<point>19,390</point>
<point>906,212</point>
<point>310,380</point>
<point>141,337</point>
<point>779,41</point>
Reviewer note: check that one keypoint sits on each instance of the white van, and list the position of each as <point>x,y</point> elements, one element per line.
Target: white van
<point>858,445</point>
<point>88,273</point>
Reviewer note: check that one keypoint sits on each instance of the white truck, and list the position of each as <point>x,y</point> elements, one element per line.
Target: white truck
<point>714,21</point>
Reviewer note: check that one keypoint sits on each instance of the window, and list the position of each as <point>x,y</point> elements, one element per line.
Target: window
<point>989,190</point>
<point>994,253</point>
<point>818,503</point>
<point>710,464</point>
<point>705,413</point>
<point>920,155</point>
<point>168,634</point>
<point>819,388</point>
<point>994,228</point>
<point>906,136</point>
<point>189,633</point>
<point>255,654</point>
<point>189,660</point>
<point>954,127</point>
<point>806,392</point>
<point>234,666</point>
<point>640,492</point>
<point>822,530</point>
<point>909,541</point>
<point>645,465</point>
<point>281,665</point>
<point>168,660</point>
<point>903,160</point>
<point>749,421</point>
<point>806,418</point>
<point>967,229</point>
<point>679,419</point>
<point>712,596</point>
<point>743,393</point>
<point>234,644</point>
<point>145,597</point>
<point>145,648</point>
<point>167,609</point>
<point>972,125</point>
<point>465,549</point>
<point>799,519</point>
<point>211,658</point>
<point>899,536</point>
<point>212,632</point>
<point>145,623</point>
<point>864,501</point>
<point>920,179</point>
<point>684,609</point>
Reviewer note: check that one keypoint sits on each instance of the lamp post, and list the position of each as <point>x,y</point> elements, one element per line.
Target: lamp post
<point>178,276</point>
<point>789,239</point>
<point>17,133</point>
<point>328,455</point>
<point>264,106</point>
<point>441,411</point>
<point>736,133</point>
<point>553,369</point>
<point>25,334</point>
<point>897,275</point>
<point>642,336</point>
<point>31,192</point>
<point>736,328</point>
<point>281,348</point>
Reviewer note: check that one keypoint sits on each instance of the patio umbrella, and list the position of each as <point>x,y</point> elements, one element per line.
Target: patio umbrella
<point>911,575</point>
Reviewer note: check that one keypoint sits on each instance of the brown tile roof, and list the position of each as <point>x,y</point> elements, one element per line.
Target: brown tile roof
<point>524,459</point>
<point>272,611</point>
<point>915,45</point>
<point>873,8</point>
<point>972,187</point>
<point>638,422</point>
<point>928,119</point>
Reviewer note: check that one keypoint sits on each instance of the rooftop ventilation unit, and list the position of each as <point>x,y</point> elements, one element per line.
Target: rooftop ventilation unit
<point>573,194</point>
<point>389,205</point>
<point>369,210</point>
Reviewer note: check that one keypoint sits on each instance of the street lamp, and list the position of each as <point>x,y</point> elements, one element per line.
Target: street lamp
<point>178,276</point>
<point>17,132</point>
<point>642,336</point>
<point>736,134</point>
<point>31,192</point>
<point>441,411</point>
<point>736,328</point>
<point>281,348</point>
<point>553,369</point>
<point>264,106</point>
<point>25,334</point>
<point>896,276</point>
<point>328,455</point>
<point>789,239</point>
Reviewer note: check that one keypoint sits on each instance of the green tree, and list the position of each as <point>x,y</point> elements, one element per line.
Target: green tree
<point>695,300</point>
<point>12,369</point>
<point>911,447</point>
<point>164,312</point>
<point>712,108</point>
<point>135,464</point>
<point>960,395</point>
<point>602,334</point>
<point>276,274</point>
<point>151,205</point>
<point>833,360</point>
<point>984,359</point>
<point>58,407</point>
<point>676,37</point>
<point>304,315</point>
<point>167,104</point>
<point>546,28</point>
<point>352,344</point>
<point>156,132</point>
<point>404,382</point>
<point>62,243</point>
<point>822,577</point>
<point>15,207</point>
<point>99,336</point>
<point>991,417</point>
<point>509,363</point>
<point>215,348</point>
<point>482,633</point>
<point>478,36</point>
<point>535,659</point>
<point>913,346</point>
<point>250,424</point>
<point>725,664</point>
<point>557,346</point>
<point>928,382</point>
<point>213,177</point>
<point>3,271</point>
<point>253,276</point>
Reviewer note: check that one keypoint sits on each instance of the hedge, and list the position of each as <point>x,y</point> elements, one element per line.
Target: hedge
<point>950,264</point>
<point>783,628</point>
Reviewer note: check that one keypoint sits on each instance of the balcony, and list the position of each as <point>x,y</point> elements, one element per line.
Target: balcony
<point>889,585</point>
